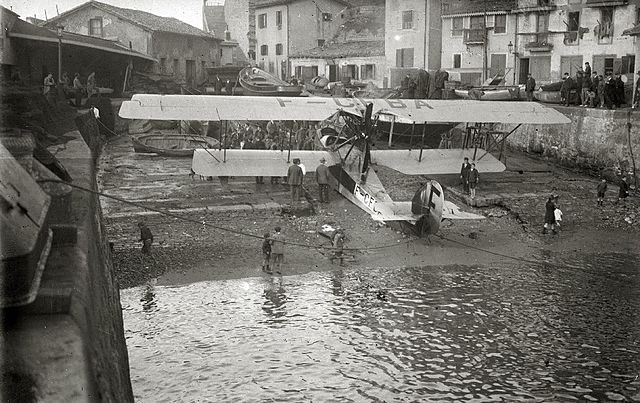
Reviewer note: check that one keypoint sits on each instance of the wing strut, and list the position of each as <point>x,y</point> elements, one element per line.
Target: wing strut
<point>424,129</point>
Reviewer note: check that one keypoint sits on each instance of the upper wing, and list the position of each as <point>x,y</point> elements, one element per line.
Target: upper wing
<point>434,161</point>
<point>252,162</point>
<point>219,107</point>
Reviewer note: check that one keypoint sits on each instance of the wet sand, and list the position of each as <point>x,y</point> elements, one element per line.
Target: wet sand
<point>185,252</point>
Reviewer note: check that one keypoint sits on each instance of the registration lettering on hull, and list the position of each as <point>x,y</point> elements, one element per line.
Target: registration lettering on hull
<point>365,198</point>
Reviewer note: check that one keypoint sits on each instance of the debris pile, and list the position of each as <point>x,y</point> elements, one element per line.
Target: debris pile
<point>145,83</point>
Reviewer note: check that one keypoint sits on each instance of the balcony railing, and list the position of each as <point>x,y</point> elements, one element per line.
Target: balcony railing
<point>539,46</point>
<point>474,36</point>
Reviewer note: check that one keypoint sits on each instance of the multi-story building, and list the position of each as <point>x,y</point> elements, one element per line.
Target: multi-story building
<point>236,19</point>
<point>284,27</point>
<point>413,37</point>
<point>475,39</point>
<point>180,49</point>
<point>356,51</point>
<point>559,36</point>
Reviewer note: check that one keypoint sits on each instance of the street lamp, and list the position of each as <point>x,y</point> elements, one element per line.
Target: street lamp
<point>60,30</point>
<point>510,47</point>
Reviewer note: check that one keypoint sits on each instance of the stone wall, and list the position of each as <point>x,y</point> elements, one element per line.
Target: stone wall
<point>595,139</point>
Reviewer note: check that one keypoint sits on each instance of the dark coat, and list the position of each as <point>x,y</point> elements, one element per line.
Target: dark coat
<point>474,175</point>
<point>587,71</point>
<point>624,190</point>
<point>531,85</point>
<point>549,212</point>
<point>464,171</point>
<point>294,175</point>
<point>567,85</point>
<point>145,233</point>
<point>322,174</point>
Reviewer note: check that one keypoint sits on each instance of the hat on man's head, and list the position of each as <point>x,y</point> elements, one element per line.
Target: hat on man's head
<point>323,159</point>
<point>296,160</point>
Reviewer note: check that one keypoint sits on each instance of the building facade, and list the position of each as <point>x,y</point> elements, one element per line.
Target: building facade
<point>288,27</point>
<point>179,48</point>
<point>356,50</point>
<point>413,37</point>
<point>559,36</point>
<point>475,40</point>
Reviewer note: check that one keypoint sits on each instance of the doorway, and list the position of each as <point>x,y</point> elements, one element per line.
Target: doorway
<point>524,70</point>
<point>191,72</point>
<point>333,73</point>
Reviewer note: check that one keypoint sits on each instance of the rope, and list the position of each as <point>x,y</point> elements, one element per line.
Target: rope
<point>187,219</point>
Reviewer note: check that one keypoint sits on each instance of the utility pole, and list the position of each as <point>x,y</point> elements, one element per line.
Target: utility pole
<point>60,29</point>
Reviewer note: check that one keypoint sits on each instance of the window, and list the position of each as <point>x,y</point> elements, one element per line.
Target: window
<point>327,17</point>
<point>262,21</point>
<point>543,26</point>
<point>176,67</point>
<point>628,64</point>
<point>500,24</point>
<point>368,71</point>
<point>457,25</point>
<point>573,22</point>
<point>404,57</point>
<point>320,42</point>
<point>95,26</point>
<point>278,48</point>
<point>350,70</point>
<point>608,65</point>
<point>163,65</point>
<point>498,64</point>
<point>407,19</point>
<point>264,50</point>
<point>604,29</point>
<point>476,22</point>
<point>457,61</point>
<point>278,19</point>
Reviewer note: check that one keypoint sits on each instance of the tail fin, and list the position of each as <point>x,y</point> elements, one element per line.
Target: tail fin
<point>428,203</point>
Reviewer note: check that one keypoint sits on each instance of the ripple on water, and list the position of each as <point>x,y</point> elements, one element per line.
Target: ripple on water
<point>428,334</point>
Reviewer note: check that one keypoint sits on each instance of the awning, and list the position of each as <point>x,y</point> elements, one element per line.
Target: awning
<point>24,30</point>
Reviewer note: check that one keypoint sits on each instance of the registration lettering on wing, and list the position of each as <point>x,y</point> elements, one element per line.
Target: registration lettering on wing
<point>365,198</point>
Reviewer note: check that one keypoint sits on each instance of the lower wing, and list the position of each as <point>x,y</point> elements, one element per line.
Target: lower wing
<point>434,161</point>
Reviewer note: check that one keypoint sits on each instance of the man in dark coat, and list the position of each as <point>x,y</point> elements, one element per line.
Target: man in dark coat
<point>595,81</point>
<point>624,190</point>
<point>587,69</point>
<point>586,87</point>
<point>565,89</point>
<point>602,188</point>
<point>474,178</point>
<point>530,86</point>
<point>322,177</point>
<point>609,92</point>
<point>601,87</point>
<point>464,175</point>
<point>294,178</point>
<point>549,214</point>
<point>217,84</point>
<point>618,84</point>
<point>146,237</point>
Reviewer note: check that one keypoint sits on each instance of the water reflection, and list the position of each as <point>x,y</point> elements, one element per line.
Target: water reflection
<point>551,332</point>
<point>275,300</point>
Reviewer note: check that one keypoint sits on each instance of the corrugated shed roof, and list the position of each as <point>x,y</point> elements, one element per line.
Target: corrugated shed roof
<point>343,49</point>
<point>25,30</point>
<point>215,20</point>
<point>453,7</point>
<point>150,21</point>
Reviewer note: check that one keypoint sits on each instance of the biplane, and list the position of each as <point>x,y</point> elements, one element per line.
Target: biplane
<point>348,151</point>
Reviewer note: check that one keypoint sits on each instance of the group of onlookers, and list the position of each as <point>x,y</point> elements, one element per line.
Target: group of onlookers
<point>592,89</point>
<point>70,89</point>
<point>275,135</point>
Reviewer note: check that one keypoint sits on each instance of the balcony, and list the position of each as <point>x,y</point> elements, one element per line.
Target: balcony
<point>475,36</point>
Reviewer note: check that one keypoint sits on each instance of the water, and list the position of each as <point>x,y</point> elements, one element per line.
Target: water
<point>527,333</point>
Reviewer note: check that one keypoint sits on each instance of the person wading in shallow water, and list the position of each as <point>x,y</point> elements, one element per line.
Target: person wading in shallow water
<point>549,214</point>
<point>277,249</point>
<point>146,237</point>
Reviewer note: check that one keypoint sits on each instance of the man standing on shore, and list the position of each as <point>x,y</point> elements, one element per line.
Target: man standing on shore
<point>474,177</point>
<point>322,177</point>
<point>530,86</point>
<point>565,89</point>
<point>277,249</point>
<point>77,88</point>
<point>464,175</point>
<point>146,237</point>
<point>549,214</point>
<point>624,190</point>
<point>294,178</point>
<point>602,187</point>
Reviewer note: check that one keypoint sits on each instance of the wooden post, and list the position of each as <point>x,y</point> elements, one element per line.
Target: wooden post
<point>424,129</point>
<point>393,121</point>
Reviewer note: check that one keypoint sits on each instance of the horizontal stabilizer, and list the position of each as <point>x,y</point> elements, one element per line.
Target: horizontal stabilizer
<point>434,161</point>
<point>453,212</point>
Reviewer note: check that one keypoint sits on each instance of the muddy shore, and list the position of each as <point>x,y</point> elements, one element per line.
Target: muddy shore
<point>185,252</point>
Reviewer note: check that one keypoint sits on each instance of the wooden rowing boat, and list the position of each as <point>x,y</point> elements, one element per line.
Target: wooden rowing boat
<point>258,82</point>
<point>172,144</point>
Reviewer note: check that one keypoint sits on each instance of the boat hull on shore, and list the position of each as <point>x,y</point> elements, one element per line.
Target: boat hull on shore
<point>492,93</point>
<point>257,82</point>
<point>171,145</point>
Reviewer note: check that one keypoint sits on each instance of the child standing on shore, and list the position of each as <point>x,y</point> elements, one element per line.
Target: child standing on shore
<point>558,217</point>
<point>266,253</point>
